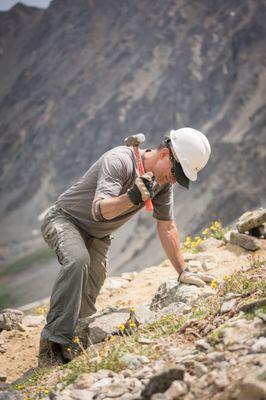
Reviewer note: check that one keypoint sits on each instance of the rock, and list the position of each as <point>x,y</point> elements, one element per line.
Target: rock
<point>215,356</point>
<point>259,346</point>
<point>228,306</point>
<point>251,388</point>
<point>174,308</point>
<point>228,235</point>
<point>208,265</point>
<point>3,377</point>
<point>251,219</point>
<point>10,319</point>
<point>177,389</point>
<point>229,296</point>
<point>75,394</point>
<point>252,305</point>
<point>160,383</point>
<point>129,276</point>
<point>220,378</point>
<point>202,344</point>
<point>240,330</point>
<point>194,266</point>
<point>133,361</point>
<point>159,396</point>
<point>245,241</point>
<point>200,370</point>
<point>259,232</point>
<point>210,243</point>
<point>84,381</point>
<point>33,320</point>
<point>165,294</point>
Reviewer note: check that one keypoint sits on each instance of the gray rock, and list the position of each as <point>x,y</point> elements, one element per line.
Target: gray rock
<point>84,381</point>
<point>177,389</point>
<point>210,243</point>
<point>251,219</point>
<point>165,294</point>
<point>259,346</point>
<point>229,296</point>
<point>215,356</point>
<point>228,306</point>
<point>246,241</point>
<point>220,378</point>
<point>202,344</point>
<point>133,361</point>
<point>251,388</point>
<point>10,319</point>
<point>200,370</point>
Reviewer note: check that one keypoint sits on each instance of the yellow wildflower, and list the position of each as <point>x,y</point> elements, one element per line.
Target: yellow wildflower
<point>121,327</point>
<point>76,339</point>
<point>214,284</point>
<point>112,338</point>
<point>68,349</point>
<point>132,324</point>
<point>46,391</point>
<point>21,387</point>
<point>132,309</point>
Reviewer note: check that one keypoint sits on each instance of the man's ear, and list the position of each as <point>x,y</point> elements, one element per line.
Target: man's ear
<point>164,152</point>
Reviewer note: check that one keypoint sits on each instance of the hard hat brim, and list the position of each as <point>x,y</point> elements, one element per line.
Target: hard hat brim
<point>181,178</point>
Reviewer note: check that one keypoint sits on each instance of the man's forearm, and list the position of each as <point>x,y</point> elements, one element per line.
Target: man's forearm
<point>169,238</point>
<point>115,206</point>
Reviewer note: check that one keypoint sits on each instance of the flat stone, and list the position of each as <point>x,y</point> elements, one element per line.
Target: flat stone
<point>251,219</point>
<point>228,306</point>
<point>259,346</point>
<point>240,331</point>
<point>246,241</point>
<point>113,283</point>
<point>209,265</point>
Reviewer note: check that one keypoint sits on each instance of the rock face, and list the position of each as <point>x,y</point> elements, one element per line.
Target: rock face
<point>101,81</point>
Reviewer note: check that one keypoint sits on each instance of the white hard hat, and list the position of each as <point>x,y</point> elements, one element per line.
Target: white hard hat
<point>192,149</point>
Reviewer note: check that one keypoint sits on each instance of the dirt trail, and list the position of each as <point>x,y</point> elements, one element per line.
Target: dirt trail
<point>22,347</point>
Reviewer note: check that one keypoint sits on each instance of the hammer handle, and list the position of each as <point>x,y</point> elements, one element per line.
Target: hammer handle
<point>148,202</point>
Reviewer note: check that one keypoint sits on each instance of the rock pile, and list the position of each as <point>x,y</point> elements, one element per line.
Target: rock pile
<point>251,227</point>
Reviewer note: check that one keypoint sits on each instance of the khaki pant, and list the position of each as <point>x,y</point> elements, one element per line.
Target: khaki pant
<point>83,262</point>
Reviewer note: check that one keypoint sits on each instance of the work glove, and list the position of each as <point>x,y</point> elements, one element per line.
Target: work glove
<point>142,190</point>
<point>194,278</point>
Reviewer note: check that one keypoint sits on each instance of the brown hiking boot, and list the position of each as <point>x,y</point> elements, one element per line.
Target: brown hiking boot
<point>49,354</point>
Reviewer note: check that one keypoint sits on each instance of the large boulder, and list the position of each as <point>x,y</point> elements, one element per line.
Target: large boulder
<point>246,241</point>
<point>251,219</point>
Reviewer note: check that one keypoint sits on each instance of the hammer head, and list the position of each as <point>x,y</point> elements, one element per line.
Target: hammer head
<point>134,140</point>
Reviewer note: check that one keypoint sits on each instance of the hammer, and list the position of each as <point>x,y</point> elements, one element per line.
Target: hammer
<point>134,141</point>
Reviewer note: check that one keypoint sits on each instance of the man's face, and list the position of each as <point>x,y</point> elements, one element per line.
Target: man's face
<point>163,168</point>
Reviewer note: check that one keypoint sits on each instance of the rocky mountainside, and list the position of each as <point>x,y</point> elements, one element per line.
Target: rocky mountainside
<point>181,341</point>
<point>78,77</point>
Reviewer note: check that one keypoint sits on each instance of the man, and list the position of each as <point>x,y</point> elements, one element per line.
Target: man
<point>79,225</point>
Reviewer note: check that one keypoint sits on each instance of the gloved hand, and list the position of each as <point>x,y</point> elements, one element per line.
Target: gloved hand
<point>142,190</point>
<point>195,278</point>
